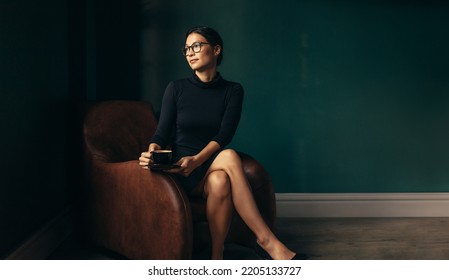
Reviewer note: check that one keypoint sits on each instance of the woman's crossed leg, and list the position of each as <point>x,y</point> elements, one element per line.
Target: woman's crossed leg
<point>225,188</point>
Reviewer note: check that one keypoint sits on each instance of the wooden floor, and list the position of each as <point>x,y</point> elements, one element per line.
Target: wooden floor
<point>368,238</point>
<point>333,239</point>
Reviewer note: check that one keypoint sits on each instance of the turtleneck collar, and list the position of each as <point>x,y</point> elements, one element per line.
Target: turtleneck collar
<point>215,81</point>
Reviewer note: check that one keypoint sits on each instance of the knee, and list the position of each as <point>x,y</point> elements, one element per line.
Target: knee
<point>230,156</point>
<point>218,184</point>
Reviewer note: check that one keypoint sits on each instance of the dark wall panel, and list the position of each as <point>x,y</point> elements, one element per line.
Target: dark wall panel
<point>33,126</point>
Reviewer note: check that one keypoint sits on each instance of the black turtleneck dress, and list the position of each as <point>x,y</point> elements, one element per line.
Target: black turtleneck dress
<point>193,113</point>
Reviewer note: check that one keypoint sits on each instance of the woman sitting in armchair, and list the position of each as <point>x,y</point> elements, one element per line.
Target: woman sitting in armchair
<point>205,110</point>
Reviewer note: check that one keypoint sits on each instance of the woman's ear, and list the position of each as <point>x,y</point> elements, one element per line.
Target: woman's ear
<point>217,50</point>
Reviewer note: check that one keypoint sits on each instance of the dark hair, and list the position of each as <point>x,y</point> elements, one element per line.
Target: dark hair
<point>211,36</point>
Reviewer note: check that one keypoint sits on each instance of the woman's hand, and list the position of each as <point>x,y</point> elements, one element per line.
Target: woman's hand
<point>187,165</point>
<point>145,158</point>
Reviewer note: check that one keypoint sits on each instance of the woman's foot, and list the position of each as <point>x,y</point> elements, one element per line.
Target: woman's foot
<point>276,250</point>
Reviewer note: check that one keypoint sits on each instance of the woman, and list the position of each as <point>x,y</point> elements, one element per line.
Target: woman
<point>205,110</point>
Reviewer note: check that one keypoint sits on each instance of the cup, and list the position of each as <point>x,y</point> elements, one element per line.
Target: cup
<point>162,156</point>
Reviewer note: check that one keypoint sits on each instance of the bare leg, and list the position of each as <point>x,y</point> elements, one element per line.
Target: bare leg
<point>229,161</point>
<point>217,189</point>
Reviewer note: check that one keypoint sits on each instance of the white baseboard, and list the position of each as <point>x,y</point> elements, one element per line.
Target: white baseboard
<point>43,242</point>
<point>365,205</point>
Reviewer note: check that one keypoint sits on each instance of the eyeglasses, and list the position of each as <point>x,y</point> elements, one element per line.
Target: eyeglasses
<point>195,47</point>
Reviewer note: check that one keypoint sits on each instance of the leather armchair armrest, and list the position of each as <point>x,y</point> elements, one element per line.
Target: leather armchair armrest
<point>138,213</point>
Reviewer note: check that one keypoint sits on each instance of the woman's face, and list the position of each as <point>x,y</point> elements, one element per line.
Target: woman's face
<point>206,58</point>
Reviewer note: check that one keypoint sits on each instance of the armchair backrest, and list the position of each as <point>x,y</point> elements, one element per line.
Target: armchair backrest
<point>116,131</point>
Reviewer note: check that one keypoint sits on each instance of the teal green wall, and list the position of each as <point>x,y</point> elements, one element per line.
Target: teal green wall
<point>340,96</point>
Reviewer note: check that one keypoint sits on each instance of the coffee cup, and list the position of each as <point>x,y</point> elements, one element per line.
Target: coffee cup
<point>162,156</point>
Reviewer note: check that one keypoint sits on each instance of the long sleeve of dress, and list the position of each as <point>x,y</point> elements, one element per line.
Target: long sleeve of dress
<point>231,117</point>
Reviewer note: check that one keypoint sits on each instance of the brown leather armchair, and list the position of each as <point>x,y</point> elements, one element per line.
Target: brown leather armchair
<point>142,214</point>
